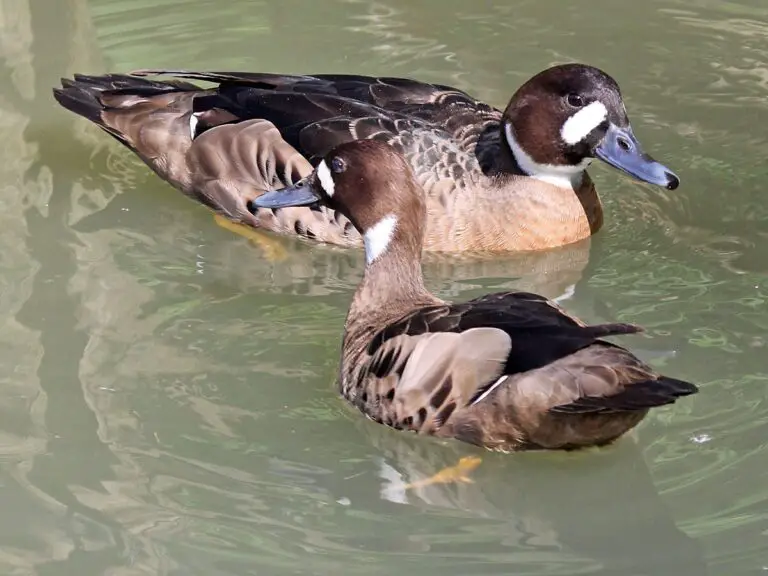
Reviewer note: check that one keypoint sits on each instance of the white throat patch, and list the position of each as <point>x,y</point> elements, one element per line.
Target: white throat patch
<point>377,238</point>
<point>326,180</point>
<point>579,126</point>
<point>568,177</point>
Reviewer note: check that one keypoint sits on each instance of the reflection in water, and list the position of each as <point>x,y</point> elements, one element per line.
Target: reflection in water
<point>35,530</point>
<point>171,408</point>
<point>560,524</point>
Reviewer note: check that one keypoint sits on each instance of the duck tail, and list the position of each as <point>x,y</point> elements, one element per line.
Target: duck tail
<point>89,96</point>
<point>612,329</point>
<point>642,395</point>
<point>675,387</point>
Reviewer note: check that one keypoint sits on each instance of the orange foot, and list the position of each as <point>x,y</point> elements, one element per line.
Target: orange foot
<point>457,473</point>
<point>272,248</point>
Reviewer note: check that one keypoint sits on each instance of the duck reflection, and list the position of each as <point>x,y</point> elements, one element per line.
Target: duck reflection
<point>266,262</point>
<point>597,506</point>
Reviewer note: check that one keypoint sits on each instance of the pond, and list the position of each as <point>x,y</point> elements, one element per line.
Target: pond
<point>167,398</point>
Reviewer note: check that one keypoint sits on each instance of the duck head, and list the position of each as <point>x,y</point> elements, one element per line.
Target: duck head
<point>565,116</point>
<point>373,185</point>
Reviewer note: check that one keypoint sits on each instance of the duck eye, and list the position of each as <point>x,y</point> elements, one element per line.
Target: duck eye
<point>338,165</point>
<point>575,100</point>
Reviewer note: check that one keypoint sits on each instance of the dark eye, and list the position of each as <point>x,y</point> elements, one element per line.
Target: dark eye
<point>575,100</point>
<point>338,165</point>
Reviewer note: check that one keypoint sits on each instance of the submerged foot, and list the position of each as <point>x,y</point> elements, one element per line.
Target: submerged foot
<point>272,248</point>
<point>456,473</point>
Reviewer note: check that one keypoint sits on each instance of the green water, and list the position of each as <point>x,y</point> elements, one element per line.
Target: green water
<point>166,395</point>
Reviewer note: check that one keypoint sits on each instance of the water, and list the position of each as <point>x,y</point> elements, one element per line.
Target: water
<point>166,395</point>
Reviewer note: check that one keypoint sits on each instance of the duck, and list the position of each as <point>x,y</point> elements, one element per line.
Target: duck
<point>495,181</point>
<point>508,371</point>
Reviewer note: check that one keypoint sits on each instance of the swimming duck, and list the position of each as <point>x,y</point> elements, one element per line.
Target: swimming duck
<point>495,180</point>
<point>507,371</point>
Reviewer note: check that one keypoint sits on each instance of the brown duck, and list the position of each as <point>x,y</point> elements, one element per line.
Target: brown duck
<point>494,181</point>
<point>507,371</point>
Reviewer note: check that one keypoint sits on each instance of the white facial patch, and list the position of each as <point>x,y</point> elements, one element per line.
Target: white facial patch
<point>562,176</point>
<point>377,238</point>
<point>193,120</point>
<point>581,124</point>
<point>326,180</point>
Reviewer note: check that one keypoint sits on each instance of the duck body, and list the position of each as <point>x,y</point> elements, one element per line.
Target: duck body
<point>508,371</point>
<point>494,180</point>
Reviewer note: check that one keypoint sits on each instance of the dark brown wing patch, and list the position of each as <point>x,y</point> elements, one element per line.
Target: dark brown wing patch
<point>540,330</point>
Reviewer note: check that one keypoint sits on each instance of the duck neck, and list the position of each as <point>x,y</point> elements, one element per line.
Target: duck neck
<point>506,161</point>
<point>394,273</point>
<point>513,159</point>
<point>393,282</point>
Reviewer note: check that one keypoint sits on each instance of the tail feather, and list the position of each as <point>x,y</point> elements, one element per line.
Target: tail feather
<point>612,329</point>
<point>79,99</point>
<point>85,95</point>
<point>84,100</point>
<point>638,396</point>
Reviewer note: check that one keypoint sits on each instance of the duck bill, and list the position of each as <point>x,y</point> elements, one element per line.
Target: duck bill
<point>302,193</point>
<point>620,149</point>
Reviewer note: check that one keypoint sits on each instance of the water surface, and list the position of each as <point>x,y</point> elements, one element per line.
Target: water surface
<point>167,402</point>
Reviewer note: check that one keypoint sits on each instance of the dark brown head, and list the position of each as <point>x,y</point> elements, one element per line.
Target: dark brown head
<point>369,182</point>
<point>565,116</point>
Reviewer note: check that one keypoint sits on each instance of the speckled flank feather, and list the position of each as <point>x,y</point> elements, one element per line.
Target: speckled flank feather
<point>254,132</point>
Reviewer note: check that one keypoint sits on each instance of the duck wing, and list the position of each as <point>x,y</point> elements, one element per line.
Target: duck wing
<point>216,157</point>
<point>439,128</point>
<point>441,358</point>
<point>540,330</point>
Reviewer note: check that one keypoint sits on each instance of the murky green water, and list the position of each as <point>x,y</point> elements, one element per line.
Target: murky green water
<point>166,394</point>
